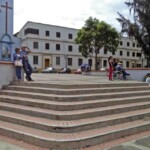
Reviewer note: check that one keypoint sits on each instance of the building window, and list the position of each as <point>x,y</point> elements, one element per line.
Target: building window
<point>105,63</point>
<point>69,61</point>
<point>58,34</point>
<point>31,31</point>
<point>105,51</point>
<point>138,65</point>
<point>80,61</point>
<point>35,45</point>
<point>91,50</point>
<point>128,44</point>
<point>35,60</point>
<point>133,54</point>
<point>121,43</point>
<point>70,48</point>
<point>70,36</point>
<point>57,60</point>
<point>137,45</point>
<point>121,53</point>
<point>127,64</point>
<point>58,47</point>
<point>46,33</point>
<point>133,44</point>
<point>138,55</point>
<point>47,46</point>
<point>79,48</point>
<point>90,62</point>
<point>113,52</point>
<point>128,53</point>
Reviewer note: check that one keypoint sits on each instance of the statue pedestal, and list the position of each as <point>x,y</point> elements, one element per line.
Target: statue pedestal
<point>8,73</point>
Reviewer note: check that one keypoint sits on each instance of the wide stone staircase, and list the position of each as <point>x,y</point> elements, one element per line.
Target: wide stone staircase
<point>68,117</point>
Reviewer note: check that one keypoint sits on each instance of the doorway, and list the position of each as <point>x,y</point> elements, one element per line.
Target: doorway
<point>47,63</point>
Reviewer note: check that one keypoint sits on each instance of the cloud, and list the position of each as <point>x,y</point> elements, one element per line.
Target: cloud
<point>106,10</point>
<point>67,13</point>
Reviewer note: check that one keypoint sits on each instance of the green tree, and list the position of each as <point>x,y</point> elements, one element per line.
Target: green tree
<point>96,35</point>
<point>139,27</point>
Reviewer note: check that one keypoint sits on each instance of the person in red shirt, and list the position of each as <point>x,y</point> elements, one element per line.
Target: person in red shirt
<point>110,62</point>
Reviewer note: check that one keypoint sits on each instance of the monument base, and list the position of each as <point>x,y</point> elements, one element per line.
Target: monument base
<point>8,73</point>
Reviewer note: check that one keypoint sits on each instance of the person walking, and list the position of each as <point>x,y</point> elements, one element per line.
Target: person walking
<point>18,63</point>
<point>26,65</point>
<point>110,62</point>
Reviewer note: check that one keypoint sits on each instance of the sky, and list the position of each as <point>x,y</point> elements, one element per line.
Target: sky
<point>67,13</point>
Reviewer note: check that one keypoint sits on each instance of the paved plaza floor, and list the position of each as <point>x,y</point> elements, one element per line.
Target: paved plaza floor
<point>73,79</point>
<point>6,146</point>
<point>141,144</point>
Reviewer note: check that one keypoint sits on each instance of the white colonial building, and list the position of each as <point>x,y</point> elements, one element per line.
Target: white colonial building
<point>54,46</point>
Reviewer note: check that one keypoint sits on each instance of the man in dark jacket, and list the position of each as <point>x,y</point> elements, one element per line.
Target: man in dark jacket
<point>26,65</point>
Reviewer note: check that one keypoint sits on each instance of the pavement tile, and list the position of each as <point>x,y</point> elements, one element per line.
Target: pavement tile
<point>144,142</point>
<point>6,146</point>
<point>124,148</point>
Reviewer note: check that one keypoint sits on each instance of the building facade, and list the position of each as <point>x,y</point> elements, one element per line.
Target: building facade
<point>54,46</point>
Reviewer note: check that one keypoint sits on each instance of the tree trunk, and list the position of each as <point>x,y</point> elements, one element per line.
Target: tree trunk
<point>96,68</point>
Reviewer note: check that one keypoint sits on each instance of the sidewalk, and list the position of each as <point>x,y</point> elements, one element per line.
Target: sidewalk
<point>141,144</point>
<point>6,146</point>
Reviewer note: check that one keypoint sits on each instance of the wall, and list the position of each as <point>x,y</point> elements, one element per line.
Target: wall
<point>135,74</point>
<point>138,74</point>
<point>7,73</point>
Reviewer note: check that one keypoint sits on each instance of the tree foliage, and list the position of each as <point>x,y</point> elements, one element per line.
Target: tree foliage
<point>96,35</point>
<point>139,28</point>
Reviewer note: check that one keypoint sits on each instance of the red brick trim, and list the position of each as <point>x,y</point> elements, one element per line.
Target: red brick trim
<point>137,68</point>
<point>6,62</point>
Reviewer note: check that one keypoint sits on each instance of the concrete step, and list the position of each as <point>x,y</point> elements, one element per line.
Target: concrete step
<point>76,86</point>
<point>65,141</point>
<point>70,98</point>
<point>67,116</point>
<point>74,114</point>
<point>76,91</point>
<point>76,105</point>
<point>74,125</point>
